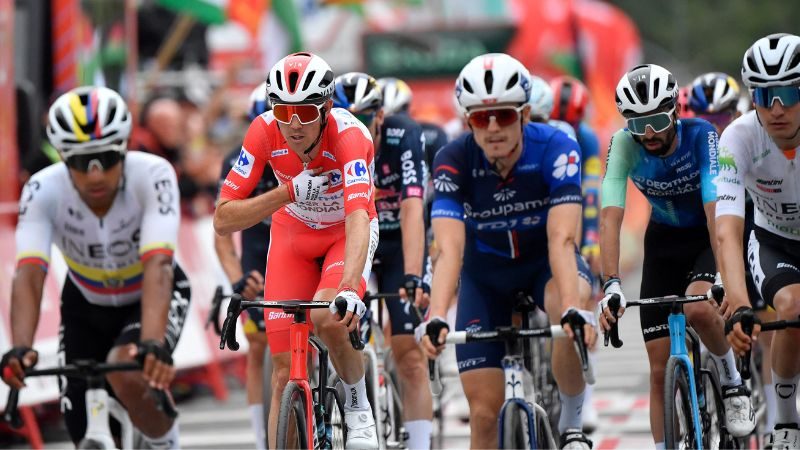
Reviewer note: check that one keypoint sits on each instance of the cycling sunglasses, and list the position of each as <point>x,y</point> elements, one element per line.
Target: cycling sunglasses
<point>503,116</point>
<point>766,96</point>
<point>657,122</point>
<point>85,162</point>
<point>306,113</point>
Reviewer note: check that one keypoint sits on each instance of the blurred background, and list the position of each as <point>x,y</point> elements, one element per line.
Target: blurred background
<point>186,67</point>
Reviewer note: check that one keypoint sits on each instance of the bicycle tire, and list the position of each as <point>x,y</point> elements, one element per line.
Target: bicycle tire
<point>292,415</point>
<point>514,427</point>
<point>266,392</point>
<point>679,430</point>
<point>91,444</point>
<point>335,407</point>
<point>717,436</point>
<point>395,411</point>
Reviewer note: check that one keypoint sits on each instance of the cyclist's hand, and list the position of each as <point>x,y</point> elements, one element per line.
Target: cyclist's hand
<point>435,326</point>
<point>355,308</point>
<point>611,287</point>
<point>588,325</point>
<point>307,185</point>
<point>14,363</point>
<point>412,289</point>
<point>250,285</point>
<point>738,339</point>
<point>156,362</point>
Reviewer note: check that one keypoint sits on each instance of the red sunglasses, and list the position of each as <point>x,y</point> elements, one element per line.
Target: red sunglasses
<point>306,113</point>
<point>503,116</point>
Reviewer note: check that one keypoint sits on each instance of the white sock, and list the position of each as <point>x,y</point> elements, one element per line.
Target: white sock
<point>167,441</point>
<point>771,405</point>
<point>571,409</point>
<point>786,392</point>
<point>661,445</point>
<point>726,367</point>
<point>257,422</point>
<point>419,434</point>
<point>355,396</point>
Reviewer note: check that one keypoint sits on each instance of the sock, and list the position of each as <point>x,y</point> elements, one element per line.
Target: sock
<point>771,405</point>
<point>661,445</point>
<point>571,408</point>
<point>726,366</point>
<point>257,422</point>
<point>786,392</point>
<point>355,396</point>
<point>419,434</point>
<point>167,441</point>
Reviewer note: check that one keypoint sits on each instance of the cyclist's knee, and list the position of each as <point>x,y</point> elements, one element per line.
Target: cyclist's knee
<point>280,371</point>
<point>657,375</point>
<point>483,418</point>
<point>412,366</point>
<point>701,315</point>
<point>787,303</point>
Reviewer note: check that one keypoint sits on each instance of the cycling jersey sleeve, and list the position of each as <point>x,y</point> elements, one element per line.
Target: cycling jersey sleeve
<point>448,183</point>
<point>706,145</point>
<point>34,232</point>
<point>411,163</point>
<point>353,150</point>
<point>562,169</point>
<point>618,163</point>
<point>157,190</point>
<point>590,148</point>
<point>243,178</point>
<point>734,164</point>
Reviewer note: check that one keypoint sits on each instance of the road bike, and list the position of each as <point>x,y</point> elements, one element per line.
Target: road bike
<point>694,413</point>
<point>100,406</point>
<point>309,416</point>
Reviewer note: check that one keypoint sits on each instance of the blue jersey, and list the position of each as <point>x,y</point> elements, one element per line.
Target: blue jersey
<point>507,216</point>
<point>676,186</point>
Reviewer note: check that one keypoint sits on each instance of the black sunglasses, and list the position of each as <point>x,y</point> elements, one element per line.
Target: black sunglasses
<point>106,160</point>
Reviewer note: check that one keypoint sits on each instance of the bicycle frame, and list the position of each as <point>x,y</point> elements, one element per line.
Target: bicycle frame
<point>299,334</point>
<point>99,406</point>
<point>677,349</point>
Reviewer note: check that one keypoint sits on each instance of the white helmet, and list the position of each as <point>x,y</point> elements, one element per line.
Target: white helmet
<point>89,119</point>
<point>492,78</point>
<point>300,78</point>
<point>773,60</point>
<point>541,100</point>
<point>396,94</point>
<point>258,103</point>
<point>644,89</point>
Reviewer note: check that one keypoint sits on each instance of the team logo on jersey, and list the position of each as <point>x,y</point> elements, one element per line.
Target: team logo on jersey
<point>280,152</point>
<point>328,155</point>
<point>443,183</point>
<point>355,172</point>
<point>244,165</point>
<point>504,194</point>
<point>334,176</point>
<point>566,165</point>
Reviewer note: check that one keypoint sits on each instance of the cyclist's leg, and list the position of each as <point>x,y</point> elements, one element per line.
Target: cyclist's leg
<point>87,332</point>
<point>774,264</point>
<point>565,361</point>
<point>479,362</point>
<point>158,429</point>
<point>412,367</point>
<point>255,332</point>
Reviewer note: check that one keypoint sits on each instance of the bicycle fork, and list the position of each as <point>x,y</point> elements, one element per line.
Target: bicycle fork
<point>677,328</point>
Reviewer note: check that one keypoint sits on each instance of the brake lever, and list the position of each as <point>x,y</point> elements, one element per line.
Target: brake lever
<point>228,336</point>
<point>613,333</point>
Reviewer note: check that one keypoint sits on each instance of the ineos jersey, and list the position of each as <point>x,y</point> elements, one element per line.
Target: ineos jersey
<point>104,255</point>
<point>345,156</point>
<point>507,216</point>
<point>400,169</point>
<point>676,186</point>
<point>750,159</point>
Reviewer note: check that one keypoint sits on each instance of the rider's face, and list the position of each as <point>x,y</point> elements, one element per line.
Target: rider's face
<point>780,122</point>
<point>496,138</point>
<point>299,136</point>
<point>97,186</point>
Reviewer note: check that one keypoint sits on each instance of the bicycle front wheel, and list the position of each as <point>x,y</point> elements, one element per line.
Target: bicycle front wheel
<point>716,435</point>
<point>292,418</point>
<point>335,409</point>
<point>514,427</point>
<point>679,430</point>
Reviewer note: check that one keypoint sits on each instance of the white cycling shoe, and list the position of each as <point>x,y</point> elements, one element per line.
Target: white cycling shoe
<point>785,437</point>
<point>740,418</point>
<point>574,439</point>
<point>361,433</point>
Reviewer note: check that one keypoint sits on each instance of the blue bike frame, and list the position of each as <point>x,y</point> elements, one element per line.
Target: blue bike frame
<point>677,349</point>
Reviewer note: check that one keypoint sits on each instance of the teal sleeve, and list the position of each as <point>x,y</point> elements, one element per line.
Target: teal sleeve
<point>615,181</point>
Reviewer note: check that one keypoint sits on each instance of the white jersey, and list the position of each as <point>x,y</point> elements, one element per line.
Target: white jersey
<point>104,255</point>
<point>750,159</point>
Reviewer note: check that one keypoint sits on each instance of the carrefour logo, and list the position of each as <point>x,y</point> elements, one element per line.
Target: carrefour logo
<point>566,165</point>
<point>355,172</point>
<point>335,177</point>
<point>244,165</point>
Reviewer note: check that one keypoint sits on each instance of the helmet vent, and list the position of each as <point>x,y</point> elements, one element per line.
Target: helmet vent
<point>488,81</point>
<point>279,79</point>
<point>656,85</point>
<point>112,112</point>
<point>293,79</point>
<point>641,91</point>
<point>62,121</point>
<point>309,77</point>
<point>629,95</point>
<point>512,81</point>
<point>468,87</point>
<point>326,80</point>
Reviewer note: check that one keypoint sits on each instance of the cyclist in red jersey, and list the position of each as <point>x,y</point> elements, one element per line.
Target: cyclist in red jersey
<point>324,225</point>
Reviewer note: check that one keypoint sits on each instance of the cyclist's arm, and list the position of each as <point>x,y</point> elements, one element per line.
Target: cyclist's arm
<point>614,188</point>
<point>707,144</point>
<point>26,301</point>
<point>450,240</point>
<point>235,215</point>
<point>356,247</point>
<point>412,229</point>
<point>226,252</point>
<point>156,295</point>
<point>561,225</point>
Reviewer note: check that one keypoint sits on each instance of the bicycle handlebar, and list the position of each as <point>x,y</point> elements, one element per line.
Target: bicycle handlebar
<point>748,322</point>
<point>503,334</point>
